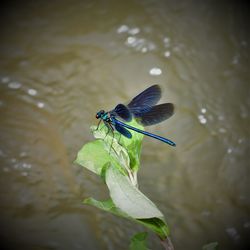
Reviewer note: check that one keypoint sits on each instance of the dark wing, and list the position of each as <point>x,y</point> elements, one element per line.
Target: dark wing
<point>123,112</point>
<point>157,114</point>
<point>123,131</point>
<point>143,102</point>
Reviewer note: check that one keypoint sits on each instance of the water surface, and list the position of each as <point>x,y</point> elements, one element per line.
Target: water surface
<point>61,62</point>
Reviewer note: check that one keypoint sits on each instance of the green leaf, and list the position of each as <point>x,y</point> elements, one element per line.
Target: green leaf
<point>90,159</point>
<point>123,154</point>
<point>211,246</point>
<point>94,156</point>
<point>107,206</point>
<point>128,198</point>
<point>155,224</point>
<point>120,144</point>
<point>138,241</point>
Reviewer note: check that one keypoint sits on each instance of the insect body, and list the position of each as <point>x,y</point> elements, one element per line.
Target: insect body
<point>144,109</point>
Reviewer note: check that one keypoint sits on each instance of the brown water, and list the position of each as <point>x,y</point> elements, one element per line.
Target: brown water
<point>61,62</point>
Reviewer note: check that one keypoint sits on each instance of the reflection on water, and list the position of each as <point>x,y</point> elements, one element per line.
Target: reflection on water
<point>62,62</point>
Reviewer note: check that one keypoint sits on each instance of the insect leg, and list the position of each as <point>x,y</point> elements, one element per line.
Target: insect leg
<point>110,128</point>
<point>119,138</point>
<point>98,125</point>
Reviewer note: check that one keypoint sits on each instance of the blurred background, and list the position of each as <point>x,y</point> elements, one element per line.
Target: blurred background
<point>62,61</point>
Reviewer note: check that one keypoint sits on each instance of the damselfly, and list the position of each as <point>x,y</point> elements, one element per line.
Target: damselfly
<point>144,109</point>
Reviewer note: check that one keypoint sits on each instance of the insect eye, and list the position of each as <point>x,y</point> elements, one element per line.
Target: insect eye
<point>96,116</point>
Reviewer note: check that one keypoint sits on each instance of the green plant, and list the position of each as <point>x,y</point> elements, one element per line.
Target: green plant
<point>116,159</point>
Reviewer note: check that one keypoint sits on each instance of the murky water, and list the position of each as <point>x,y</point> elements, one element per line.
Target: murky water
<point>61,62</point>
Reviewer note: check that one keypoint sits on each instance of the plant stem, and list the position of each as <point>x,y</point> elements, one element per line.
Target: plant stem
<point>167,244</point>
